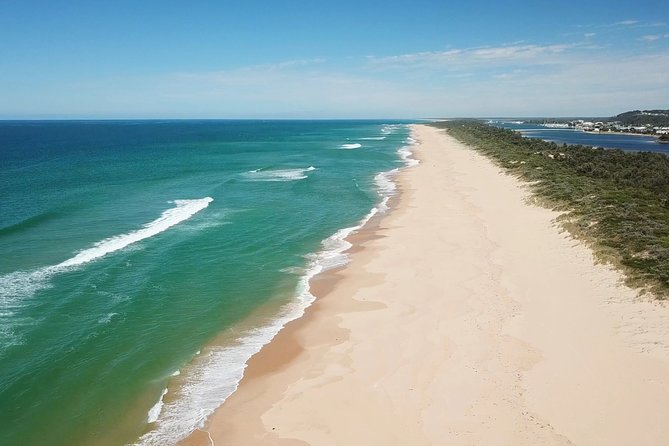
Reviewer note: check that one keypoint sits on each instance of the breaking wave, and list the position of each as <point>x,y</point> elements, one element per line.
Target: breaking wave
<point>277,174</point>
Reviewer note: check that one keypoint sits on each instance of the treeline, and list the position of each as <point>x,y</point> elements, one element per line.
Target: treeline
<point>637,117</point>
<point>614,200</point>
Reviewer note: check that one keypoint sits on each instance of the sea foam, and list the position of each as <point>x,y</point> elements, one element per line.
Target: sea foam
<point>406,155</point>
<point>350,146</point>
<point>388,129</point>
<point>154,412</point>
<point>277,174</point>
<point>385,186</point>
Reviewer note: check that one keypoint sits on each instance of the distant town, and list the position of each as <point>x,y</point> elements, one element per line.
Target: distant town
<point>609,126</point>
<point>639,122</point>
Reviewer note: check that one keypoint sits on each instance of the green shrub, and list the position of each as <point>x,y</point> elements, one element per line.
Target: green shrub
<point>616,201</point>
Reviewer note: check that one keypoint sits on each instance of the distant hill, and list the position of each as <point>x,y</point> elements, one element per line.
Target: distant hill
<point>643,117</point>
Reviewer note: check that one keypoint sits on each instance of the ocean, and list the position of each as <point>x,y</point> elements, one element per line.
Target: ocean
<point>629,143</point>
<point>143,262</point>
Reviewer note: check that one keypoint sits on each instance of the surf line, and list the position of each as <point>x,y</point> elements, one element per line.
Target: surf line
<point>21,283</point>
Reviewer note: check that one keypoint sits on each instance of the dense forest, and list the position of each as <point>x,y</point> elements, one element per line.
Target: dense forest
<point>642,117</point>
<point>618,202</point>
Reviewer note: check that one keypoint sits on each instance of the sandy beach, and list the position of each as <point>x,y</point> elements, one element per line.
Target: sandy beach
<point>465,317</point>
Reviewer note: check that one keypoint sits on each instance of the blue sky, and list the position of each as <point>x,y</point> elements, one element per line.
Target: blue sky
<point>313,59</point>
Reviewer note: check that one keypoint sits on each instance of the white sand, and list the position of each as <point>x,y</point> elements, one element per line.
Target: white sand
<point>469,319</point>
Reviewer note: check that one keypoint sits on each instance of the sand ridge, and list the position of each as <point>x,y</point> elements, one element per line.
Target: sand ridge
<point>465,318</point>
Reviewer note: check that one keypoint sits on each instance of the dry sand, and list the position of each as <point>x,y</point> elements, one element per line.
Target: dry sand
<point>466,317</point>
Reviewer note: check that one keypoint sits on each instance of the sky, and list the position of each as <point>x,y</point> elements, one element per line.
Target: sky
<point>335,59</point>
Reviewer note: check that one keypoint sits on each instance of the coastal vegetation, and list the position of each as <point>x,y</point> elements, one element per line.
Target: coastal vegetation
<point>643,117</point>
<point>617,202</point>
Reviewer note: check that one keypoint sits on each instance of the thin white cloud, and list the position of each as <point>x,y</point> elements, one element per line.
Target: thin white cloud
<point>650,37</point>
<point>517,52</point>
<point>635,24</point>
<point>287,64</point>
<point>510,75</point>
<point>625,23</point>
<point>473,56</point>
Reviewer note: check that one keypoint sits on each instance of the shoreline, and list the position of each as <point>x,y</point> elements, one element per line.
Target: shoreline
<point>234,347</point>
<point>285,347</point>
<point>449,325</point>
<point>621,133</point>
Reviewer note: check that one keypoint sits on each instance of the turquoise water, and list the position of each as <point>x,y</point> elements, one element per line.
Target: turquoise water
<point>142,262</point>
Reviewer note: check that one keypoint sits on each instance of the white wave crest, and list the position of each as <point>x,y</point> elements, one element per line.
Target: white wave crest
<point>385,187</point>
<point>350,146</point>
<point>278,174</point>
<point>388,129</point>
<point>406,156</point>
<point>183,210</point>
<point>20,284</point>
<point>106,318</point>
<point>373,138</point>
<point>154,412</point>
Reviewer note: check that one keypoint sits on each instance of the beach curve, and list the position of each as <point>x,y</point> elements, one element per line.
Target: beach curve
<point>464,317</point>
